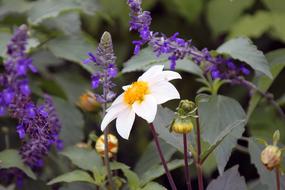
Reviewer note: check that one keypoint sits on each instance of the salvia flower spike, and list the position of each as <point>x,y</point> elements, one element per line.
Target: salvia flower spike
<point>104,59</point>
<point>177,48</point>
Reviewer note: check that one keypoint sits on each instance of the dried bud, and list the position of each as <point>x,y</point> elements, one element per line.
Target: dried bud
<point>112,145</point>
<point>88,102</point>
<point>182,125</point>
<point>271,157</point>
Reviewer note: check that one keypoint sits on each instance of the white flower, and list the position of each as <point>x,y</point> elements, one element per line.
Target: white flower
<point>141,98</point>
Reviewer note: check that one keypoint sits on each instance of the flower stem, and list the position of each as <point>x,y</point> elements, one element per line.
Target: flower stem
<point>198,161</point>
<point>186,168</point>
<point>170,179</point>
<point>277,171</point>
<point>106,153</point>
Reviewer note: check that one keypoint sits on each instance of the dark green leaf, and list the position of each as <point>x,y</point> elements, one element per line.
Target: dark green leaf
<point>76,175</point>
<point>158,171</point>
<point>83,158</point>
<point>244,50</point>
<point>147,58</point>
<point>153,186</point>
<point>151,158</point>
<point>11,158</point>
<point>276,61</point>
<point>71,121</point>
<point>221,14</point>
<point>219,114</point>
<point>230,180</point>
<point>73,48</point>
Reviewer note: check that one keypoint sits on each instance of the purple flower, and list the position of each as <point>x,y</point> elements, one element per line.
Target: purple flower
<point>177,48</point>
<point>104,59</point>
<point>38,125</point>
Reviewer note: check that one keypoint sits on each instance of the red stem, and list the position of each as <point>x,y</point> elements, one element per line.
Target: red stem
<point>277,178</point>
<point>198,162</point>
<point>186,168</point>
<point>170,179</point>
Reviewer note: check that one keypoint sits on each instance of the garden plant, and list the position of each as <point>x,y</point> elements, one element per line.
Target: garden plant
<point>142,94</point>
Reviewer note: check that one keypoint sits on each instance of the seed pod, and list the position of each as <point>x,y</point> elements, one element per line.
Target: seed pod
<point>271,157</point>
<point>88,102</point>
<point>112,145</point>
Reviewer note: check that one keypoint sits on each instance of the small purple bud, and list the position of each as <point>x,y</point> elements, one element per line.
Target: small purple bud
<point>92,57</point>
<point>245,71</point>
<point>22,69</point>
<point>21,131</point>
<point>2,111</point>
<point>95,81</point>
<point>25,89</point>
<point>8,96</point>
<point>215,74</point>
<point>112,72</point>
<point>30,110</point>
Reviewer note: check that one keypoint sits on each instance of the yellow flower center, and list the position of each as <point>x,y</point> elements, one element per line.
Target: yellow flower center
<point>136,92</point>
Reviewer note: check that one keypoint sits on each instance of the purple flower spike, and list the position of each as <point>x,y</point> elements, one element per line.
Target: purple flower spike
<point>38,125</point>
<point>105,59</point>
<point>177,48</point>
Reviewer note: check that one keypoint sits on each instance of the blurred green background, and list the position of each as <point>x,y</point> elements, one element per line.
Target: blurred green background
<point>63,31</point>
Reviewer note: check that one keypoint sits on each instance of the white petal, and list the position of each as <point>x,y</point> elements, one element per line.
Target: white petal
<point>146,109</point>
<point>118,100</point>
<point>112,113</point>
<point>163,92</point>
<point>125,122</point>
<point>126,87</point>
<point>171,75</point>
<point>151,72</point>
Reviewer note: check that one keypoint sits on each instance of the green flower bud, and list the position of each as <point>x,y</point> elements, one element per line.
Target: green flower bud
<point>271,157</point>
<point>182,125</point>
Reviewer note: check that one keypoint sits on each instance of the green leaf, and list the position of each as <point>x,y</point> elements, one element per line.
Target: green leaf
<point>150,156</point>
<point>76,175</point>
<point>146,58</point>
<point>266,177</point>
<point>230,180</point>
<point>71,122</point>
<point>73,84</point>
<point>259,23</point>
<point>152,186</point>
<point>161,123</point>
<point>11,158</point>
<point>217,115</point>
<point>8,7</point>
<point>189,9</point>
<point>5,36</point>
<point>83,158</point>
<point>77,186</point>
<point>42,10</point>
<point>275,5</point>
<point>276,61</point>
<point>73,48</point>
<point>244,50</point>
<point>252,25</point>
<point>158,170</point>
<point>132,177</point>
<point>42,59</point>
<point>221,14</point>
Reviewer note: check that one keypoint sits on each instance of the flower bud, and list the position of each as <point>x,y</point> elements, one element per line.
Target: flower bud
<point>271,157</point>
<point>88,102</point>
<point>112,145</point>
<point>182,125</point>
